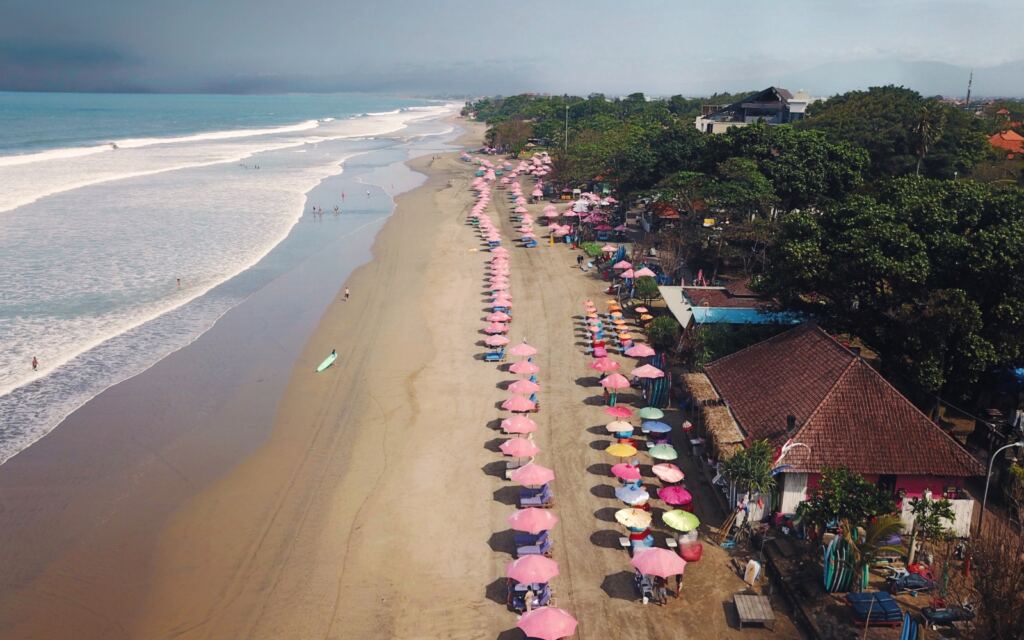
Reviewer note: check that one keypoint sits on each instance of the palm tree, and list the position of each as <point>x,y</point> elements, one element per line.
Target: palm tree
<point>928,129</point>
<point>868,546</point>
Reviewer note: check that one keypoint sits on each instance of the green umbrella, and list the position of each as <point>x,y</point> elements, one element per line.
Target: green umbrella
<point>681,520</point>
<point>651,413</point>
<point>663,452</point>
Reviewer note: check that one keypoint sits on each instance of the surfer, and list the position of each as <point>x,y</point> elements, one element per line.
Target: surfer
<point>35,364</point>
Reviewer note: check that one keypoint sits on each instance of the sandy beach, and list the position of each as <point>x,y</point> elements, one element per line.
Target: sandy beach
<point>374,508</point>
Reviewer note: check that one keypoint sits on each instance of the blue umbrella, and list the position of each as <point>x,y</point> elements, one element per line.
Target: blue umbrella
<point>632,495</point>
<point>653,426</point>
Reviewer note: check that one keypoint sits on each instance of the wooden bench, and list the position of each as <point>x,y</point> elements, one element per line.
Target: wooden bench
<point>756,609</point>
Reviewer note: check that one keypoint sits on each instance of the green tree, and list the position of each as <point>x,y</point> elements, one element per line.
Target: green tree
<point>931,521</point>
<point>646,288</point>
<point>842,495</point>
<point>871,543</point>
<point>663,333</point>
<point>751,468</point>
<point>928,130</point>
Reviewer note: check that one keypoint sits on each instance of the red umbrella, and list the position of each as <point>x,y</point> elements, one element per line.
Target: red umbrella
<point>618,411</point>
<point>547,623</point>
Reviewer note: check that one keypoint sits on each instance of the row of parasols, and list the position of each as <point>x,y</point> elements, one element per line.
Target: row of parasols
<point>636,516</point>
<point>528,575</point>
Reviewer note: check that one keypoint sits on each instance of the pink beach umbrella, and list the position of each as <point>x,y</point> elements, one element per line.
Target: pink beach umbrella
<point>537,193</point>
<point>668,472</point>
<point>524,367</point>
<point>533,520</point>
<point>551,214</point>
<point>524,386</point>
<point>501,251</point>
<point>645,272</point>
<point>627,472</point>
<point>647,371</point>
<point>520,209</point>
<point>532,474</point>
<point>639,351</point>
<point>518,404</point>
<point>548,623</point>
<point>519,448</point>
<point>675,495</point>
<point>604,364</point>
<point>608,248</point>
<point>619,411</point>
<point>523,350</point>
<point>628,273</point>
<point>655,561</point>
<point>518,424</point>
<point>622,264</point>
<point>498,316</point>
<point>530,569</point>
<point>496,341</point>
<point>501,286</point>
<point>615,381</point>
<point>496,327</point>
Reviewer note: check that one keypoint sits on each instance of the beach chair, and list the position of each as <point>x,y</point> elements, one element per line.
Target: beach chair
<point>533,498</point>
<point>529,243</point>
<point>495,356</point>
<point>526,539</point>
<point>517,596</point>
<point>541,549</point>
<point>644,586</point>
<point>875,608</point>
<point>536,401</point>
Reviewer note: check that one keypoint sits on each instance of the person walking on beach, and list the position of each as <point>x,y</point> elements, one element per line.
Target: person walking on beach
<point>660,590</point>
<point>679,584</point>
<point>346,294</point>
<point>35,364</point>
<point>579,261</point>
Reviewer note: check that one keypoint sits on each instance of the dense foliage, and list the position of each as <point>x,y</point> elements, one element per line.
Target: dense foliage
<point>751,468</point>
<point>842,495</point>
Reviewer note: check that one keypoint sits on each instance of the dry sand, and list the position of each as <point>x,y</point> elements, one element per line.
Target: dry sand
<point>374,509</point>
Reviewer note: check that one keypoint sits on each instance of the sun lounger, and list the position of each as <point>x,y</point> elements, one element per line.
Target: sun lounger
<point>525,539</point>
<point>533,498</point>
<point>541,549</point>
<point>644,586</point>
<point>875,608</point>
<point>495,356</point>
<point>517,596</point>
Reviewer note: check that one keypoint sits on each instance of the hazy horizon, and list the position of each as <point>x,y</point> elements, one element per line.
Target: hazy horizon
<point>449,47</point>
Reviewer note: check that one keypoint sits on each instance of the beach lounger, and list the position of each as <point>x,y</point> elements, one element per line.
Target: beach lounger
<point>542,549</point>
<point>875,608</point>
<point>644,586</point>
<point>543,499</point>
<point>525,539</point>
<point>495,356</point>
<point>517,596</point>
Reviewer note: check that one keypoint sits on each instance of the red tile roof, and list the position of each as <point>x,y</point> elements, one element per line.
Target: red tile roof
<point>1008,140</point>
<point>846,412</point>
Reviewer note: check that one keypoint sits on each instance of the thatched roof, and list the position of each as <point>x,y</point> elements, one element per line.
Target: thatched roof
<point>699,387</point>
<point>724,433</point>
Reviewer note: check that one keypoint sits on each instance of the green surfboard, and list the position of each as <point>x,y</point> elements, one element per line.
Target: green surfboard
<point>328,361</point>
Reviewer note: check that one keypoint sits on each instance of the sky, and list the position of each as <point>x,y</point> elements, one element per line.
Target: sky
<point>660,47</point>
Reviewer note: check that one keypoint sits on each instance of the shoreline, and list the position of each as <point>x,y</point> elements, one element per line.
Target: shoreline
<point>98,521</point>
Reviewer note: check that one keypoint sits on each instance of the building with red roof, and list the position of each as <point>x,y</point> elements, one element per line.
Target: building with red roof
<point>1010,141</point>
<point>803,386</point>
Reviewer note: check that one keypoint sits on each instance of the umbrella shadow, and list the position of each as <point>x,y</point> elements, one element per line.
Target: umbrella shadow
<point>596,401</point>
<point>606,514</point>
<point>600,469</point>
<point>599,445</point>
<point>510,634</point>
<point>597,430</point>
<point>605,538</point>
<point>603,491</point>
<point>510,496</point>
<point>619,586</point>
<point>494,444</point>
<point>588,381</point>
<point>496,469</point>
<point>503,542</point>
<point>497,591</point>
<point>494,424</point>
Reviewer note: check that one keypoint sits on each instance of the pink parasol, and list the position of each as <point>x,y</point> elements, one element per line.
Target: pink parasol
<point>496,327</point>
<point>615,381</point>
<point>639,351</point>
<point>547,623</point>
<point>647,371</point>
<point>675,495</point>
<point>496,341</point>
<point>533,520</point>
<point>498,316</point>
<point>524,367</point>
<point>523,350</point>
<point>518,404</point>
<point>654,561</point>
<point>531,474</point>
<point>604,364</point>
<point>608,248</point>
<point>626,472</point>
<point>518,424</point>
<point>519,448</point>
<point>622,264</point>
<point>619,411</point>
<point>628,273</point>
<point>668,472</point>
<point>645,272</point>
<point>524,386</point>
<point>530,569</point>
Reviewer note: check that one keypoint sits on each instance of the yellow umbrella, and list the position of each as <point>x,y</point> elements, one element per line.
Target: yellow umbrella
<point>625,336</point>
<point>680,520</point>
<point>633,518</point>
<point>646,317</point>
<point>621,450</point>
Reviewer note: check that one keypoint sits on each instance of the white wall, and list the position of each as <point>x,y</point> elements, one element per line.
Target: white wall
<point>963,516</point>
<point>794,488</point>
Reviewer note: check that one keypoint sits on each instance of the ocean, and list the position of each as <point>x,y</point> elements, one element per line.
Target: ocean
<point>130,223</point>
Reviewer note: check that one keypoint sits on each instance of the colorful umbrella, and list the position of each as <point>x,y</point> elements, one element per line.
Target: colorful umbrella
<point>653,426</point>
<point>533,520</point>
<point>628,274</point>
<point>668,472</point>
<point>524,367</point>
<point>675,495</point>
<point>608,248</point>
<point>654,561</point>
<point>663,452</point>
<point>519,448</point>
<point>524,386</point>
<point>639,351</point>
<point>681,520</point>
<point>647,371</point>
<point>604,364</point>
<point>645,272</point>
<point>632,495</point>
<point>651,413</point>
<point>619,427</point>
<point>621,450</point>
<point>547,623</point>
<point>626,472</point>
<point>615,381</point>
<point>518,424</point>
<point>498,316</point>
<point>495,341</point>
<point>618,411</point>
<point>496,328</point>
<point>530,569</point>
<point>522,349</point>
<point>519,404</point>
<point>640,309</point>
<point>533,475</point>
<point>633,518</point>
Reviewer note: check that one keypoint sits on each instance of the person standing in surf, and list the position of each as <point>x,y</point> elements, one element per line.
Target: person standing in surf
<point>35,364</point>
